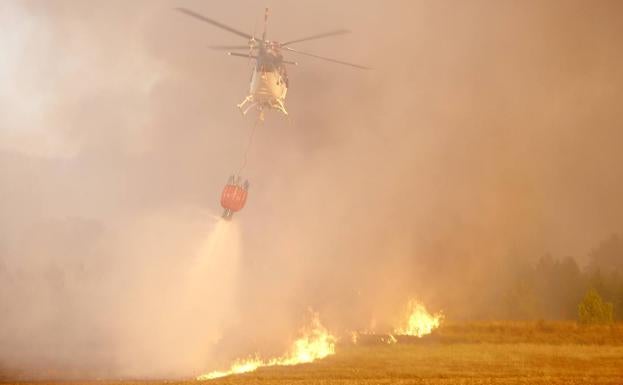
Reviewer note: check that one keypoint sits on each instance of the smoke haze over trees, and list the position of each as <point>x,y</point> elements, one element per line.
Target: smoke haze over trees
<point>487,137</point>
<point>552,288</point>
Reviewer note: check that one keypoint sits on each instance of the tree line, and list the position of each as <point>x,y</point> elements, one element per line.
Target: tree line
<point>558,288</point>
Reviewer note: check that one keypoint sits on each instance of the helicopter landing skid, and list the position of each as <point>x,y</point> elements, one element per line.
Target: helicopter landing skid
<point>244,108</point>
<point>249,103</point>
<point>278,104</point>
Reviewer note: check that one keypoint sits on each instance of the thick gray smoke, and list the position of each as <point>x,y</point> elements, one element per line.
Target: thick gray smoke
<point>487,130</point>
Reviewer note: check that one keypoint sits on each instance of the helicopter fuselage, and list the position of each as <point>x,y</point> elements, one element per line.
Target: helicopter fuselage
<point>269,84</point>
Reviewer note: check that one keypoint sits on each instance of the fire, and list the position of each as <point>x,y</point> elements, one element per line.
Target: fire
<point>315,343</point>
<point>420,321</point>
<point>238,367</point>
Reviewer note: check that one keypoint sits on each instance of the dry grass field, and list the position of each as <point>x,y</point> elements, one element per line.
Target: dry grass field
<point>458,353</point>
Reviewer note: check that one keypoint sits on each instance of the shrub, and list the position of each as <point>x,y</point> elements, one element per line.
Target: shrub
<point>593,310</point>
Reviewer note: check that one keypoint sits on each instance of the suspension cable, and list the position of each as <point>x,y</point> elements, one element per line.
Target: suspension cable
<point>246,152</point>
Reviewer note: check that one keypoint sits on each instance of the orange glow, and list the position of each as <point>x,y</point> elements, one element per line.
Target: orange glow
<point>315,343</point>
<point>419,322</point>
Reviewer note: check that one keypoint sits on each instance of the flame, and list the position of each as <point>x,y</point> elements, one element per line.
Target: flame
<point>354,337</point>
<point>390,339</point>
<point>238,367</point>
<point>420,321</point>
<point>315,343</point>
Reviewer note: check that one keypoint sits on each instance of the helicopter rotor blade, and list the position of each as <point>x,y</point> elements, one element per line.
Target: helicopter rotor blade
<point>318,36</point>
<point>244,55</point>
<point>228,47</point>
<point>255,57</point>
<point>326,58</point>
<point>213,22</point>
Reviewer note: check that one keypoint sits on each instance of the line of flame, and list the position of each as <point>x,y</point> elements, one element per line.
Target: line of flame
<point>315,343</point>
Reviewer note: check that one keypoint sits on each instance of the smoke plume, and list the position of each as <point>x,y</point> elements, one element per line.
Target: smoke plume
<point>486,131</point>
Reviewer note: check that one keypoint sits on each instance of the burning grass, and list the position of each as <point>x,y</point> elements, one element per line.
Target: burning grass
<point>317,343</point>
<point>504,353</point>
<point>419,322</point>
<point>314,343</point>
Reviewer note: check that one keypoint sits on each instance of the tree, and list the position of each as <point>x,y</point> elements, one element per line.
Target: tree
<point>522,300</point>
<point>608,256</point>
<point>560,287</point>
<point>593,309</point>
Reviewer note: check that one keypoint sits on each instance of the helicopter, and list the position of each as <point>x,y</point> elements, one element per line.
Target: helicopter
<point>269,79</point>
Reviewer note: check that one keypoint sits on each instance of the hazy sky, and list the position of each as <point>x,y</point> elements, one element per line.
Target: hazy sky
<point>486,130</point>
